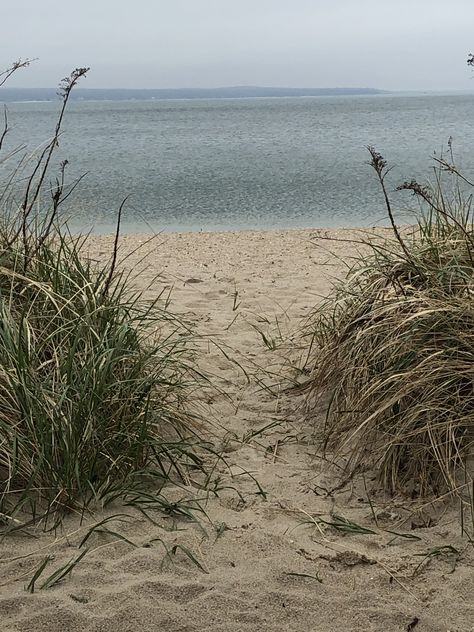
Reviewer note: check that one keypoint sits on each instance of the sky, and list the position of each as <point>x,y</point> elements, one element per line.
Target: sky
<point>386,44</point>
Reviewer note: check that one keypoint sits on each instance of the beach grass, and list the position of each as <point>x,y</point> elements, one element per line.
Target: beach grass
<point>393,345</point>
<point>96,384</point>
<point>92,389</point>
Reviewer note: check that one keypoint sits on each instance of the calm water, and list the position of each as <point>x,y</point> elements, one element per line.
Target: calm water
<point>245,163</point>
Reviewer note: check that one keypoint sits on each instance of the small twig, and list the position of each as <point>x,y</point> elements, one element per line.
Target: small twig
<point>5,126</point>
<point>41,168</point>
<point>451,168</point>
<point>275,451</point>
<point>6,74</point>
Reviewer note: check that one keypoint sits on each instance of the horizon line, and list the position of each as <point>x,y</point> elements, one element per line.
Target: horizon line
<point>221,87</point>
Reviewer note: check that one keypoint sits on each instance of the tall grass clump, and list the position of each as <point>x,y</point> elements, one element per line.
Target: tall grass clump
<point>95,383</point>
<point>394,344</point>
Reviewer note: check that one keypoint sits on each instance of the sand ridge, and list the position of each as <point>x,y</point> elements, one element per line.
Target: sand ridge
<point>267,565</point>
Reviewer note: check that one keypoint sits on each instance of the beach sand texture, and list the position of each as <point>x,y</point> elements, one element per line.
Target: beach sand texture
<point>269,567</point>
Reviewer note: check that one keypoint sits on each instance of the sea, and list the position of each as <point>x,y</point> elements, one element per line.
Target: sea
<point>243,163</point>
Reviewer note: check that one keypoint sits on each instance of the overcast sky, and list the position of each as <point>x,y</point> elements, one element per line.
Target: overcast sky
<point>391,44</point>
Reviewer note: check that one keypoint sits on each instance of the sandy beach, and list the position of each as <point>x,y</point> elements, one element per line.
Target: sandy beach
<point>266,564</point>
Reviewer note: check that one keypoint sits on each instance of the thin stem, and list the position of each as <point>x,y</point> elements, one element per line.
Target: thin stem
<point>115,251</point>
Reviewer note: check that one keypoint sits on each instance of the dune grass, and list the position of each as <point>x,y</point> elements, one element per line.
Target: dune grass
<point>394,346</point>
<point>96,384</point>
<point>90,392</point>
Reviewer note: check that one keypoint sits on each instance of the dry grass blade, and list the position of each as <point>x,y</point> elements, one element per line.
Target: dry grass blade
<point>305,575</point>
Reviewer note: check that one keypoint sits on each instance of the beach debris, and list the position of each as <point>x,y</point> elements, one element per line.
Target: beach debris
<point>305,575</point>
<point>348,558</point>
<point>412,625</point>
<point>193,280</point>
<point>423,521</point>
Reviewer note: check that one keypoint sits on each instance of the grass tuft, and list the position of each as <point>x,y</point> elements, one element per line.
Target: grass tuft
<point>95,382</point>
<point>92,391</point>
<point>393,345</point>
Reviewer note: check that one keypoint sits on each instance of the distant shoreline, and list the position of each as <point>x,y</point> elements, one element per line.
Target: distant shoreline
<point>37,95</point>
<point>102,94</point>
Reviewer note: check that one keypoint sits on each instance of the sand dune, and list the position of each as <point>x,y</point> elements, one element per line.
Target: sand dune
<point>265,564</point>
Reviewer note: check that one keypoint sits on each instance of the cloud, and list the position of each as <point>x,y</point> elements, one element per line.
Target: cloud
<point>208,43</point>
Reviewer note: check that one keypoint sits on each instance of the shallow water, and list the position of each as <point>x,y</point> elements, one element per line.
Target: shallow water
<point>245,163</point>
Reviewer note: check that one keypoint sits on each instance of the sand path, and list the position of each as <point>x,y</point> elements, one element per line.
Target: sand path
<point>268,565</point>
